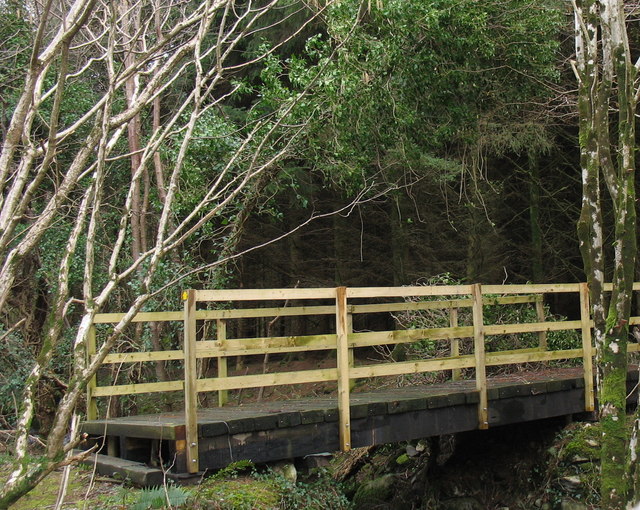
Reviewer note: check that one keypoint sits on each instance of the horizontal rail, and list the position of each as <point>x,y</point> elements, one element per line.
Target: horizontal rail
<point>511,358</point>
<point>531,327</point>
<point>401,336</point>
<point>538,288</point>
<point>411,367</point>
<point>274,379</point>
<point>335,302</point>
<point>271,345</point>
<point>409,291</point>
<point>252,313</point>
<point>141,357</point>
<point>264,294</point>
<point>136,389</point>
<point>442,304</point>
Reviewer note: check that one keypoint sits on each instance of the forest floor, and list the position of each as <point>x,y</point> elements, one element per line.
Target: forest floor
<point>84,490</point>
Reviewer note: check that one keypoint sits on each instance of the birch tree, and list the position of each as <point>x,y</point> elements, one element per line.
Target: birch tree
<point>55,168</point>
<point>607,77</point>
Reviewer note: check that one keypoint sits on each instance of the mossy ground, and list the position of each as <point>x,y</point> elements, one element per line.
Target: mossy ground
<point>235,488</point>
<point>84,490</point>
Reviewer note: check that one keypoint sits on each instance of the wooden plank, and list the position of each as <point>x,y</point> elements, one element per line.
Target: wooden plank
<point>531,327</point>
<point>587,347</point>
<point>438,305</point>
<point>631,347</point>
<point>92,405</point>
<point>608,287</point>
<point>136,389</point>
<point>190,381</point>
<point>114,318</point>
<point>410,305</point>
<point>352,351</point>
<point>223,369</point>
<point>342,346</point>
<point>407,335</point>
<point>456,374</point>
<point>479,356</point>
<point>136,473</point>
<point>271,379</point>
<point>542,335</point>
<point>251,346</point>
<point>140,357</point>
<point>264,294</point>
<point>512,357</point>
<point>412,367</point>
<point>532,288</point>
<point>248,313</point>
<point>409,291</point>
<point>243,313</point>
<point>507,300</point>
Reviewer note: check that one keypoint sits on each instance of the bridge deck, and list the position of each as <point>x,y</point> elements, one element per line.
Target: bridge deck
<point>268,431</point>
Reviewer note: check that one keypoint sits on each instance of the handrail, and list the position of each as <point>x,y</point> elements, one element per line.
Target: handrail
<point>344,340</point>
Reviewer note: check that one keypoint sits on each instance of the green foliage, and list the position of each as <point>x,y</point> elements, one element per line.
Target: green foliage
<point>16,36</point>
<point>417,77</point>
<point>575,454</point>
<point>520,313</point>
<point>320,491</point>
<point>168,496</point>
<point>230,489</point>
<point>15,365</point>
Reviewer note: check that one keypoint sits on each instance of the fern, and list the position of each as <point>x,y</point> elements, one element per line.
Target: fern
<point>160,497</point>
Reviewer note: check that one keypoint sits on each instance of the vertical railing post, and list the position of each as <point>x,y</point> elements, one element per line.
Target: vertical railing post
<point>190,381</point>
<point>352,353</point>
<point>542,335</point>
<point>480,359</point>
<point>455,342</point>
<point>342,346</point>
<point>587,348</point>
<point>92,405</point>
<point>221,335</point>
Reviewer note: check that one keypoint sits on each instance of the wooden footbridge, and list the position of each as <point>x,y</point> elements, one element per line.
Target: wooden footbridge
<point>456,317</point>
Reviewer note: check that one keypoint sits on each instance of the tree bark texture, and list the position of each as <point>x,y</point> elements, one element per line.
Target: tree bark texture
<point>605,73</point>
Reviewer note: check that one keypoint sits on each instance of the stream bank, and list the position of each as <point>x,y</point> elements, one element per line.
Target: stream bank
<point>547,464</point>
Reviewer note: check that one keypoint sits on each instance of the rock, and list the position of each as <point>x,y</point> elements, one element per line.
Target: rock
<point>570,483</point>
<point>592,442</point>
<point>412,451</point>
<point>287,470</point>
<point>374,493</point>
<point>579,459</point>
<point>317,461</point>
<point>568,504</point>
<point>465,503</point>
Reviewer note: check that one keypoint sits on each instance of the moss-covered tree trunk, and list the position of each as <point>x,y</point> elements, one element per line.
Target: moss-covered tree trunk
<point>605,72</point>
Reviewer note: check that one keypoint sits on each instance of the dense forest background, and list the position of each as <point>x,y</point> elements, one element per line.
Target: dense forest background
<point>154,146</point>
<point>443,133</point>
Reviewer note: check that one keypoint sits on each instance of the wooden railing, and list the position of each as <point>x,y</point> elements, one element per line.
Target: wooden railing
<point>344,304</point>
